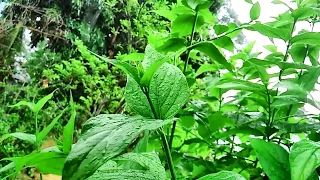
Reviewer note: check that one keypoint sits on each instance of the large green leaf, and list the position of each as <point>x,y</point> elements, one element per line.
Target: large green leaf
<point>310,38</point>
<point>168,92</point>
<point>224,42</point>
<point>273,159</point>
<point>304,159</point>
<point>151,168</point>
<point>197,4</point>
<point>236,84</point>
<point>210,49</point>
<point>102,138</point>
<point>271,32</point>
<point>302,13</point>
<point>20,135</point>
<point>223,175</point>
<point>42,102</point>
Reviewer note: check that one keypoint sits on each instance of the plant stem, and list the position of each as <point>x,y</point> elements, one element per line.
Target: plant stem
<point>168,154</point>
<point>184,71</point>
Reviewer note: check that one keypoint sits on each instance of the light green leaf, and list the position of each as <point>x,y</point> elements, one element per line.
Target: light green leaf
<point>255,11</point>
<point>150,163</point>
<point>240,130</point>
<point>183,24</point>
<point>304,159</point>
<point>249,1</point>
<point>313,55</point>
<point>103,138</point>
<point>223,175</point>
<point>271,48</point>
<point>224,42</point>
<point>8,167</point>
<point>42,102</point>
<point>20,135</point>
<point>210,49</point>
<point>218,121</point>
<point>131,57</point>
<point>249,47</point>
<point>48,128</point>
<point>273,159</point>
<point>172,45</point>
<point>302,13</point>
<point>197,4</point>
<point>236,84</point>
<point>25,103</point>
<point>165,13</point>
<point>271,32</point>
<point>69,129</point>
<point>297,127</point>
<point>309,78</point>
<point>309,38</point>
<point>298,52</point>
<point>219,29</point>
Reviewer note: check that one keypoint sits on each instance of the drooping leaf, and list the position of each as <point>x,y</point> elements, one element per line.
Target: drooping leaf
<point>313,55</point>
<point>223,175</point>
<point>273,159</point>
<point>25,103</point>
<point>310,38</point>
<point>309,79</point>
<point>42,134</point>
<point>20,135</point>
<point>45,162</point>
<point>224,42</point>
<point>102,138</point>
<point>210,49</point>
<point>131,57</point>
<point>271,32</point>
<point>150,163</point>
<point>255,11</point>
<point>304,159</point>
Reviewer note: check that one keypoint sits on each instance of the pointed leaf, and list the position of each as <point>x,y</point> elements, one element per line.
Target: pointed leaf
<point>183,24</point>
<point>102,138</point>
<point>255,11</point>
<point>20,135</point>
<point>42,102</point>
<point>224,42</point>
<point>206,68</point>
<point>302,13</point>
<point>25,103</point>
<point>271,32</point>
<point>311,38</point>
<point>68,130</point>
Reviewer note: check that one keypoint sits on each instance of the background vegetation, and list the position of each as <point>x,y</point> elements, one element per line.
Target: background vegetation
<point>231,115</point>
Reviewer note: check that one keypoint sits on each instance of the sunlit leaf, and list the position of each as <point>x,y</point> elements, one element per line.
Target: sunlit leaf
<point>255,11</point>
<point>311,38</point>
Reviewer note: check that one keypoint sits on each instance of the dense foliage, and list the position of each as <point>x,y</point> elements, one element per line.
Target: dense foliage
<point>143,90</point>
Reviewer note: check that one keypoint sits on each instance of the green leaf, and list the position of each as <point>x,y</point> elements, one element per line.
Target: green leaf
<point>44,162</point>
<point>271,48</point>
<point>297,127</point>
<point>183,24</point>
<point>220,29</point>
<point>48,128</point>
<point>280,33</point>
<point>206,68</point>
<point>304,159</point>
<point>150,163</point>
<point>7,167</point>
<point>240,130</point>
<point>298,52</point>
<point>309,79</point>
<point>168,92</point>
<point>210,49</point>
<point>255,11</point>
<point>42,102</point>
<point>172,45</point>
<point>236,84</point>
<point>249,47</point>
<point>223,175</point>
<point>103,138</point>
<point>218,121</point>
<point>313,55</point>
<point>165,13</point>
<point>224,42</point>
<point>69,129</point>
<point>273,159</point>
<point>20,135</point>
<point>302,13</point>
<point>25,103</point>
<point>197,4</point>
<point>310,38</point>
<point>131,57</point>
<point>249,1</point>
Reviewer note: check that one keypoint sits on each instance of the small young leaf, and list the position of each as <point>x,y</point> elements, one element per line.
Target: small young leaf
<point>102,138</point>
<point>223,175</point>
<point>48,128</point>
<point>304,159</point>
<point>255,11</point>
<point>273,159</point>
<point>20,135</point>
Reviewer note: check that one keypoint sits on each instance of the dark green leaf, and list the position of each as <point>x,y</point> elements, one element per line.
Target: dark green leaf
<point>210,49</point>
<point>273,159</point>
<point>223,175</point>
<point>304,159</point>
<point>297,127</point>
<point>255,11</point>
<point>218,121</point>
<point>172,45</point>
<point>298,52</point>
<point>219,29</point>
<point>302,13</point>
<point>102,138</point>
